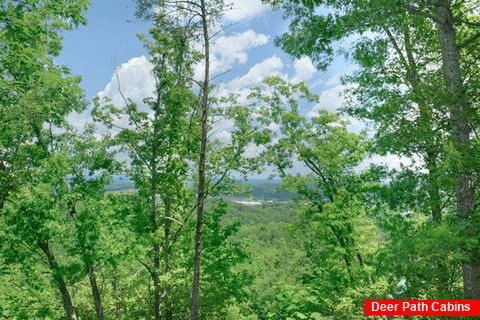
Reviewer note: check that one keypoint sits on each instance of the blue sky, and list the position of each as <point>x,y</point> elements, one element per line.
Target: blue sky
<point>109,45</point>
<point>109,40</point>
<point>91,50</point>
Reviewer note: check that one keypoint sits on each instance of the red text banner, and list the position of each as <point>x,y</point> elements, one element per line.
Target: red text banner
<point>422,308</point>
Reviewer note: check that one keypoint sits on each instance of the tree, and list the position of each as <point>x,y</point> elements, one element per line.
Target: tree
<point>455,27</point>
<point>54,213</point>
<point>160,142</point>
<point>222,283</point>
<point>35,93</point>
<point>201,16</point>
<point>394,93</point>
<point>327,183</point>
<point>90,168</point>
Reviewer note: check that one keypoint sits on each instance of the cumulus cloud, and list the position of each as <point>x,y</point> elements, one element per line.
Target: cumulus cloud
<point>268,67</point>
<point>335,81</point>
<point>79,120</point>
<point>272,66</point>
<point>226,51</point>
<point>331,100</point>
<point>356,125</point>
<point>134,79</point>
<point>243,9</point>
<point>241,86</point>
<point>304,70</point>
<point>136,82</point>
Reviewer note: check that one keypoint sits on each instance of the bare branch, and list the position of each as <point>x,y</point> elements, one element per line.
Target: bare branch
<point>396,47</point>
<point>146,266</point>
<point>226,27</point>
<point>175,220</point>
<point>217,183</point>
<point>469,41</point>
<point>220,74</point>
<point>123,97</point>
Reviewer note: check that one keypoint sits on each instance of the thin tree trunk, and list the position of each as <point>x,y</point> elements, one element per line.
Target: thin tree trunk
<point>425,120</point>
<point>153,220</point>
<point>471,280</point>
<point>166,253</point>
<point>95,292</point>
<point>194,307</point>
<point>337,232</point>
<point>465,188</point>
<point>118,295</point>
<point>67,301</point>
<point>91,270</point>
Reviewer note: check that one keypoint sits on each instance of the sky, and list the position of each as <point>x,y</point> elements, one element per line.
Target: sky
<point>109,42</point>
<point>108,46</point>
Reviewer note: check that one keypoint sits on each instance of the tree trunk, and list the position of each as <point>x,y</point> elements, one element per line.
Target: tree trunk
<point>156,280</point>
<point>166,253</point>
<point>67,301</point>
<point>117,294</point>
<point>426,124</point>
<point>465,188</point>
<point>95,292</point>
<point>471,280</point>
<point>194,307</point>
<point>153,219</point>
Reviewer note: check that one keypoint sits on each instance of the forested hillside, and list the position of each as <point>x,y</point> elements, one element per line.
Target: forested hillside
<point>160,208</point>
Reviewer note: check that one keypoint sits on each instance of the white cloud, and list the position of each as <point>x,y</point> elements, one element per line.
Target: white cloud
<point>226,51</point>
<point>304,70</point>
<point>241,85</point>
<point>134,79</point>
<point>331,100</point>
<point>224,136</point>
<point>243,9</point>
<point>221,130</point>
<point>272,66</point>
<point>268,67</point>
<point>136,83</point>
<point>334,81</point>
<point>356,125</point>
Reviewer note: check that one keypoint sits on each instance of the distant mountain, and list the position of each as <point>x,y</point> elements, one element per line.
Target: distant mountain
<point>121,183</point>
<point>261,189</point>
<point>264,189</point>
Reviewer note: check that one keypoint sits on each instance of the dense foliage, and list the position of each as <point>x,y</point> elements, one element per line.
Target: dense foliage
<point>332,233</point>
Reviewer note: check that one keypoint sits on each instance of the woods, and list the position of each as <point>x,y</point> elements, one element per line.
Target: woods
<point>187,239</point>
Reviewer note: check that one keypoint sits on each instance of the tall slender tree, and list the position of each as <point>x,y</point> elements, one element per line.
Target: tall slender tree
<point>90,169</point>
<point>202,15</point>
<point>35,97</point>
<point>160,141</point>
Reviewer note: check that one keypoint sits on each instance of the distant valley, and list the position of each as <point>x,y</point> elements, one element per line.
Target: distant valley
<point>261,190</point>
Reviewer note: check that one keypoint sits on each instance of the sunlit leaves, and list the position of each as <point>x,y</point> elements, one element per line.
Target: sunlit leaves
<point>35,94</point>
